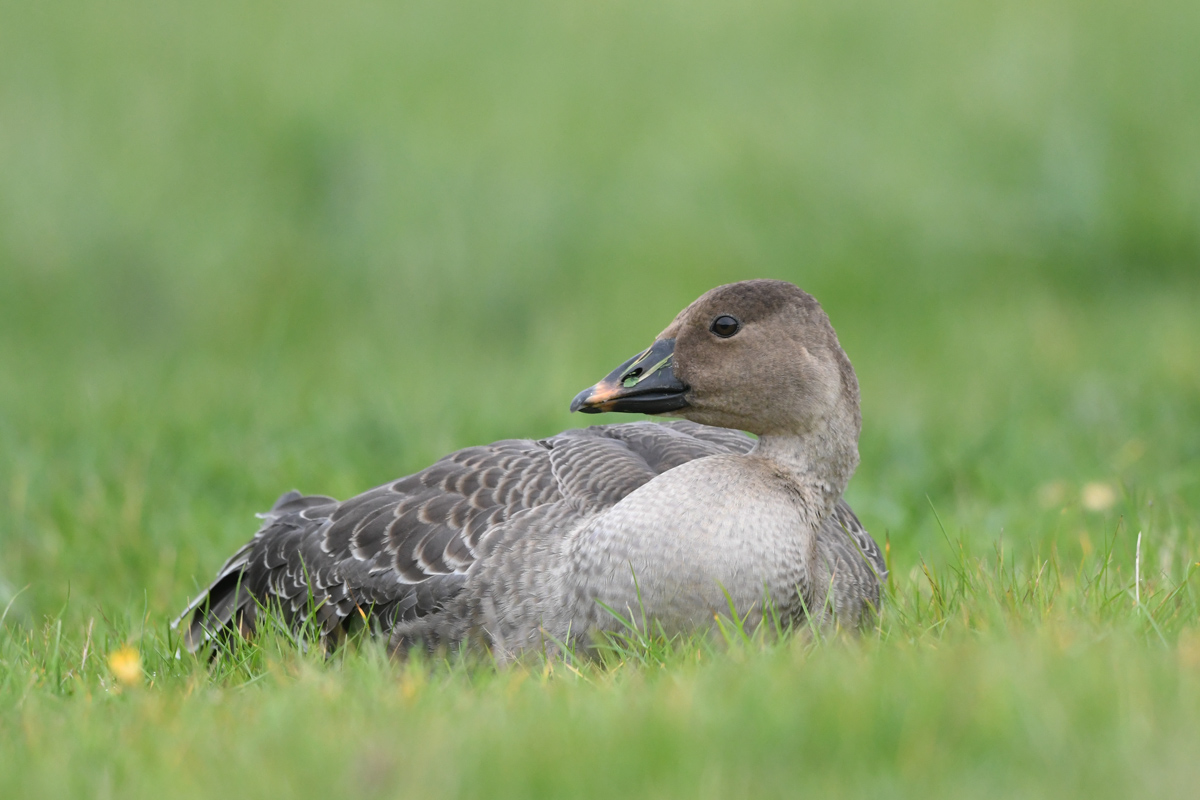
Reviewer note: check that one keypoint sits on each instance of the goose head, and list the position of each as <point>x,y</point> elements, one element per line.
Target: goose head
<point>759,356</point>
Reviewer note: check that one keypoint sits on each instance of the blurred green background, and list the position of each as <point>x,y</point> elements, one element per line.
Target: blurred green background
<point>246,247</point>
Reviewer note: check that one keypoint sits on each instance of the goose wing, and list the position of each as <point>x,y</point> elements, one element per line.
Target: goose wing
<point>402,550</point>
<point>858,567</point>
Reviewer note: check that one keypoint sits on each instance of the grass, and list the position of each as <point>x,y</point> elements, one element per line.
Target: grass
<point>996,679</point>
<point>249,248</point>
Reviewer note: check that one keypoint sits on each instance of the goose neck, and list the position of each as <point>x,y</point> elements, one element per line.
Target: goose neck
<point>819,463</point>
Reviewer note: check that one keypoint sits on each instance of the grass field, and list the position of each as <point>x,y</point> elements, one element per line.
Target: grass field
<point>250,248</point>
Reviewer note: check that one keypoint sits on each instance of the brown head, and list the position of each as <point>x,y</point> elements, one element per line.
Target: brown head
<point>759,356</point>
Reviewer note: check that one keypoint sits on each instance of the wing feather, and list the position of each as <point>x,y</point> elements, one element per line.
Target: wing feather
<point>402,550</point>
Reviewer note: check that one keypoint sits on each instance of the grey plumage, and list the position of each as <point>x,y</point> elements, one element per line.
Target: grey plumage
<point>519,542</point>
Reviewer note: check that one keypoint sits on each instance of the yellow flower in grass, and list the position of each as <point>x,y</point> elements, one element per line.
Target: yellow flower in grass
<point>126,665</point>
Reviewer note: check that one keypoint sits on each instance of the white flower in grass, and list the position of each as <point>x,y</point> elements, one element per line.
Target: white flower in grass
<point>1097,496</point>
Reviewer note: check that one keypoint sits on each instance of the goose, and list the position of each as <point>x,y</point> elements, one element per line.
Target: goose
<point>518,543</point>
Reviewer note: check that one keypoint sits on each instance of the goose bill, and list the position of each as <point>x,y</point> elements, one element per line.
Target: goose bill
<point>645,384</point>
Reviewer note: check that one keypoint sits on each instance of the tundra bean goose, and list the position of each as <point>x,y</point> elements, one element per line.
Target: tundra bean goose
<point>520,542</point>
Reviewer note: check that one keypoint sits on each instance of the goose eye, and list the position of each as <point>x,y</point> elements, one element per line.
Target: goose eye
<point>725,326</point>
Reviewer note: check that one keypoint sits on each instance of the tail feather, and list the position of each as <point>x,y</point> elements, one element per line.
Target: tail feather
<point>232,599</point>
